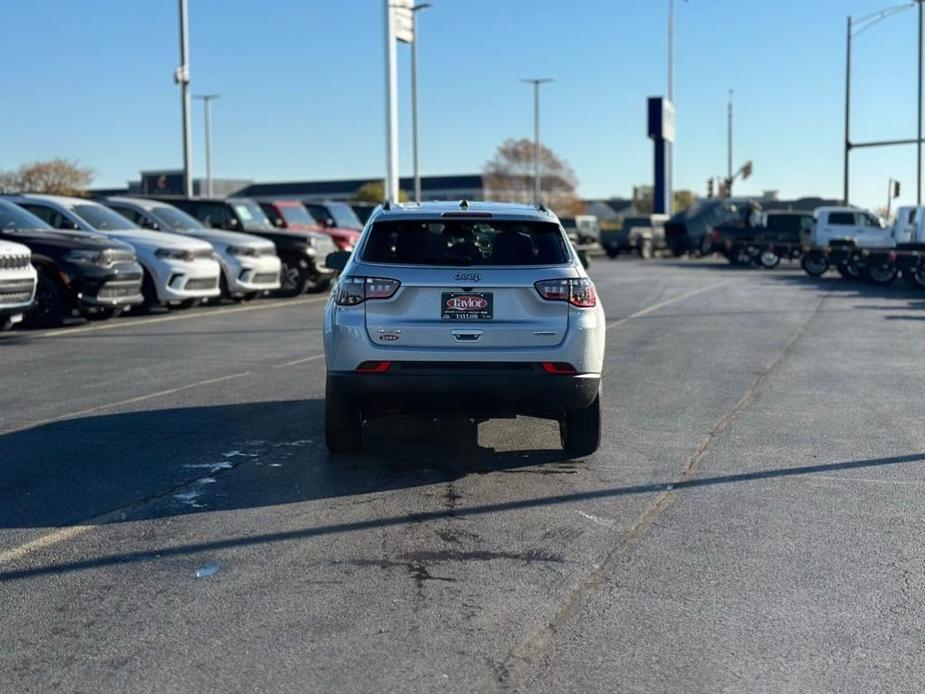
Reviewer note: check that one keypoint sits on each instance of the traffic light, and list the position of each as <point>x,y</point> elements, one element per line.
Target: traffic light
<point>895,189</point>
<point>746,170</point>
<point>710,190</point>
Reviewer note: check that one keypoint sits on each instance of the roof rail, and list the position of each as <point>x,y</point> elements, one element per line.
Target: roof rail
<point>541,207</point>
<point>387,205</point>
<point>464,204</point>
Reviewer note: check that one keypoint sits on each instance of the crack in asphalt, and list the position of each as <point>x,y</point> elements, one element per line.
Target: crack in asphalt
<point>526,656</point>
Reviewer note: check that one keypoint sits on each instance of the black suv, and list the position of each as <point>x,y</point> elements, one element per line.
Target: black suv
<point>79,272</point>
<point>301,253</point>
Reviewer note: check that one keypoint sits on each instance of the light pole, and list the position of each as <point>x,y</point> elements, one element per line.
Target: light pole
<point>856,27</point>
<point>207,112</point>
<point>536,82</point>
<point>729,142</point>
<point>414,98</point>
<point>181,77</point>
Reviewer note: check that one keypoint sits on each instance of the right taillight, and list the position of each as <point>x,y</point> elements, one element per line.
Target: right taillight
<point>578,292</point>
<point>351,291</point>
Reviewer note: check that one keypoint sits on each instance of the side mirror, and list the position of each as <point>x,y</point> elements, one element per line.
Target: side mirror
<point>337,260</point>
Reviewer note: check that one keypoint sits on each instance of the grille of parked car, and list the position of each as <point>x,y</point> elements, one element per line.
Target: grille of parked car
<point>14,262</point>
<point>118,290</point>
<point>201,284</point>
<point>15,291</point>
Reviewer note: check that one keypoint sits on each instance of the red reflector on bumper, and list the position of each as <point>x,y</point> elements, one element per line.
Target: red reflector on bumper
<point>374,367</point>
<point>559,367</point>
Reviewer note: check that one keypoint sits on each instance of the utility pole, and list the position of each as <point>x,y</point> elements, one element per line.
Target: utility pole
<point>414,98</point>
<point>847,110</point>
<point>918,178</point>
<point>207,112</point>
<point>391,107</point>
<point>181,77</point>
<point>729,142</point>
<point>537,185</point>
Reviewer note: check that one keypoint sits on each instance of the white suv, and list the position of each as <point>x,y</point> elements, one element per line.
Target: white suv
<point>17,282</point>
<point>480,310</point>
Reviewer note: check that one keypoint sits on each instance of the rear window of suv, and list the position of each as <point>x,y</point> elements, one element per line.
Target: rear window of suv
<point>465,243</point>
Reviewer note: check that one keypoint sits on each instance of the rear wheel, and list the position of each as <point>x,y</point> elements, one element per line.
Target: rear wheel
<point>881,273</point>
<point>849,270</point>
<point>612,252</point>
<point>149,292</point>
<point>294,277</point>
<point>915,278</point>
<point>814,264</point>
<point>48,310</point>
<point>769,260</point>
<point>580,431</point>
<point>343,426</point>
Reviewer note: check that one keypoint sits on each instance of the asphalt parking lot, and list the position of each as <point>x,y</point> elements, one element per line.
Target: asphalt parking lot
<point>171,521</point>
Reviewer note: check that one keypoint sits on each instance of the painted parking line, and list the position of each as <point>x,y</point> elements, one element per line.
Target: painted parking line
<point>150,320</point>
<point>667,302</point>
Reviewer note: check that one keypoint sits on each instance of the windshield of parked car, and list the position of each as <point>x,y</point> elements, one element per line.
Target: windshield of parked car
<point>297,214</point>
<point>464,243</point>
<point>343,215</point>
<point>251,216</point>
<point>176,219</point>
<point>13,217</point>
<point>102,218</point>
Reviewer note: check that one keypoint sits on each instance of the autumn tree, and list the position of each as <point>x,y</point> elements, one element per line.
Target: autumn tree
<point>55,177</point>
<point>374,192</point>
<point>508,176</point>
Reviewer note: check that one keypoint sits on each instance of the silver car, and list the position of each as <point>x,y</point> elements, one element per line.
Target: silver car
<point>481,310</point>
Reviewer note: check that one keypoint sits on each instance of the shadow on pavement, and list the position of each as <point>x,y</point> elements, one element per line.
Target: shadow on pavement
<point>458,512</point>
<point>70,471</point>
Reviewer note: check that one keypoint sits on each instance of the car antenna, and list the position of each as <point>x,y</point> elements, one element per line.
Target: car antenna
<point>464,204</point>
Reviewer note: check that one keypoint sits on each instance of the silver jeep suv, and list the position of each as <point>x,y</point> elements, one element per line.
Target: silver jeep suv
<point>479,310</point>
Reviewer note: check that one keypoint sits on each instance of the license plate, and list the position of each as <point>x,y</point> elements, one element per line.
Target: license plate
<point>466,306</point>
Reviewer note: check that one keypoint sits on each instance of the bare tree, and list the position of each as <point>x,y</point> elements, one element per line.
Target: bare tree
<point>55,177</point>
<point>509,175</point>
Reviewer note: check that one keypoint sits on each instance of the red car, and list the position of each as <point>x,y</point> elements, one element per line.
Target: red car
<point>291,214</point>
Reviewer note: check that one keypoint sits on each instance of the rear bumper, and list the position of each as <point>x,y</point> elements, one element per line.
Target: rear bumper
<point>466,388</point>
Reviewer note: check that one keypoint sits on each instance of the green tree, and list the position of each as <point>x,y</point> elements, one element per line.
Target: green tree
<point>374,191</point>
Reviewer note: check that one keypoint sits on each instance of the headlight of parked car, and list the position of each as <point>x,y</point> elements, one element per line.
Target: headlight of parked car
<point>174,254</point>
<point>92,257</point>
<point>242,251</point>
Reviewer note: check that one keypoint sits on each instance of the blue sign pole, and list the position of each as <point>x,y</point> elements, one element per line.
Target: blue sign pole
<point>661,130</point>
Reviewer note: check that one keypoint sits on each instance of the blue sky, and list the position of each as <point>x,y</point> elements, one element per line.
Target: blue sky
<point>302,84</point>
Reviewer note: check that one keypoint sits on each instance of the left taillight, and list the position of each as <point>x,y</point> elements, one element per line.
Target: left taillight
<point>351,291</point>
<point>578,292</point>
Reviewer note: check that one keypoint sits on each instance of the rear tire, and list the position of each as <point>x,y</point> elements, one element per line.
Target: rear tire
<point>149,292</point>
<point>343,426</point>
<point>914,278</point>
<point>880,273</point>
<point>294,277</point>
<point>814,264</point>
<point>580,431</point>
<point>48,310</point>
<point>769,260</point>
<point>612,253</point>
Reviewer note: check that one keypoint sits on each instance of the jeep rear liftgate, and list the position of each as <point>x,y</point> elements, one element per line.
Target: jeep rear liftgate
<point>486,308</point>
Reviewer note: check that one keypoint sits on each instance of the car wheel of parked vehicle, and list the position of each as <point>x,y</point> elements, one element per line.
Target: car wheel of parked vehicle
<point>769,260</point>
<point>612,252</point>
<point>343,426</point>
<point>580,431</point>
<point>814,264</point>
<point>646,249</point>
<point>294,277</point>
<point>48,310</point>
<point>850,271</point>
<point>914,278</point>
<point>880,273</point>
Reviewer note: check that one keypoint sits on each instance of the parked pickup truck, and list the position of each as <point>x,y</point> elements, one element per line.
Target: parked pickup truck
<point>909,236</point>
<point>778,234</point>
<point>642,234</point>
<point>855,241</point>
<point>689,231</point>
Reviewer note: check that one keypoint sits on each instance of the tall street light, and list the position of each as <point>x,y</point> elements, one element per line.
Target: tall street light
<point>414,96</point>
<point>729,142</point>
<point>536,82</point>
<point>855,28</point>
<point>207,112</point>
<point>181,77</point>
